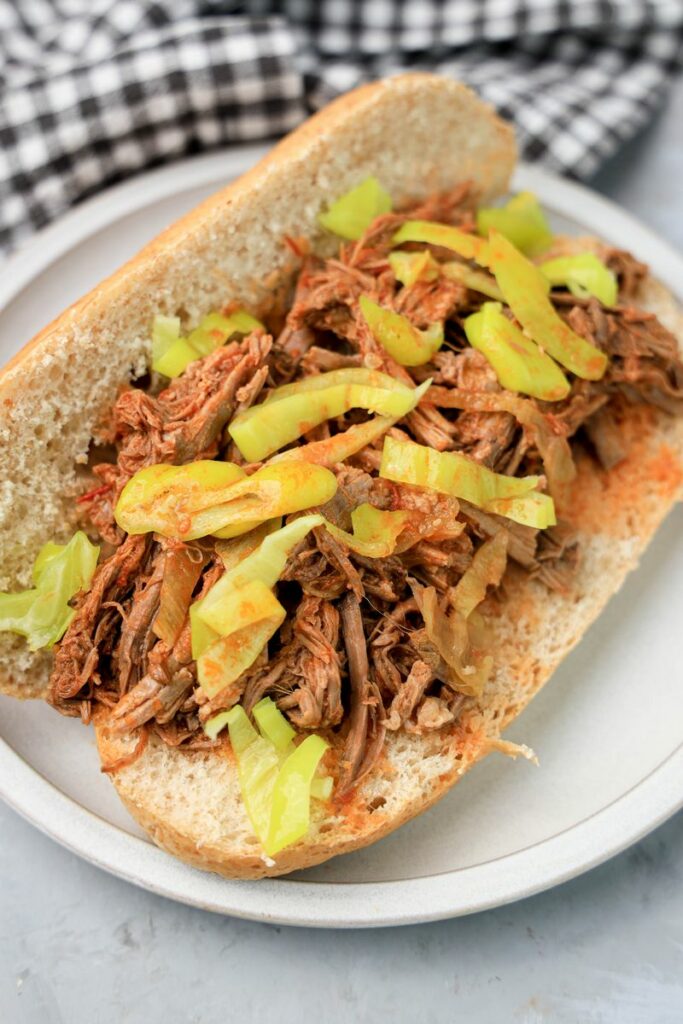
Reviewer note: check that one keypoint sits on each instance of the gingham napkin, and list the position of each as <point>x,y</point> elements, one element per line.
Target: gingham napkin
<point>92,92</point>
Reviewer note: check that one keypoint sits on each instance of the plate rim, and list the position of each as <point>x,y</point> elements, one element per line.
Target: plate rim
<point>549,862</point>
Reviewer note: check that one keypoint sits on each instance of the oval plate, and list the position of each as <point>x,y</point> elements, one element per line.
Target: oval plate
<point>608,729</point>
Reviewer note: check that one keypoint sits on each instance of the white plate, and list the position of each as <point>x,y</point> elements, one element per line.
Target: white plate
<point>608,729</point>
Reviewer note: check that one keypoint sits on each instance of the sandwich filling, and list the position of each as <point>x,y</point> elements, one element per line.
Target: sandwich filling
<point>415,404</point>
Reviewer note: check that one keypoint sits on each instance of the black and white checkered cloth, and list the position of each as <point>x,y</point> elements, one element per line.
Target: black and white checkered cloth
<point>92,91</point>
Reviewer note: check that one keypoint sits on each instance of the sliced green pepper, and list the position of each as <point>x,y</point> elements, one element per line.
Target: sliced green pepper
<point>246,619</point>
<point>204,497</point>
<point>172,354</point>
<point>521,221</point>
<point>470,247</point>
<point>475,280</point>
<point>455,474</point>
<point>294,409</point>
<point>216,328</point>
<point>43,613</point>
<point>273,725</point>
<point>395,333</point>
<point>291,796</point>
<point>258,766</point>
<point>353,213</point>
<point>584,275</point>
<point>266,564</point>
<point>518,362</point>
<point>525,291</point>
<point>411,267</point>
<point>375,531</point>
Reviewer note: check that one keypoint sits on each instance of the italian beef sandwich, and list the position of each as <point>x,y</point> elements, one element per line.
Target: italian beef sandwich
<point>302,505</point>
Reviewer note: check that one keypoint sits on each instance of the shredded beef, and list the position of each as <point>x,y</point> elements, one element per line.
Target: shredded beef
<point>77,658</point>
<point>182,424</point>
<point>355,655</point>
<point>365,737</point>
<point>305,675</point>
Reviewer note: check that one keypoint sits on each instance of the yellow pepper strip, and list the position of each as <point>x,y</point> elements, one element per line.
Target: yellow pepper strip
<point>172,354</point>
<point>247,618</point>
<point>521,221</point>
<point>339,447</point>
<point>43,613</point>
<point>160,498</point>
<point>347,442</point>
<point>294,409</point>
<point>486,570</point>
<point>411,267</point>
<point>203,497</point>
<point>584,275</point>
<point>455,474</point>
<point>404,342</point>
<point>165,331</point>
<point>258,765</point>
<point>449,631</point>
<point>273,725</point>
<point>554,449</point>
<point>470,247</point>
<point>276,491</point>
<point>215,725</point>
<point>291,799</point>
<point>518,362</point>
<point>216,328</point>
<point>266,564</point>
<point>375,531</point>
<point>525,291</point>
<point>233,551</point>
<point>353,213</point>
<point>277,793</point>
<point>475,280</point>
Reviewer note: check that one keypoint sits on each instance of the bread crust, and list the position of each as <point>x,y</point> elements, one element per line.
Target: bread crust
<point>190,803</point>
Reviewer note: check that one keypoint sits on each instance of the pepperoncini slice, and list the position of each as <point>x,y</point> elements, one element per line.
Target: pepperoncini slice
<point>273,725</point>
<point>518,362</point>
<point>475,280</point>
<point>216,328</point>
<point>395,333</point>
<point>410,267</point>
<point>172,354</point>
<point>521,221</point>
<point>294,409</point>
<point>265,564</point>
<point>486,570</point>
<point>341,446</point>
<point>258,765</point>
<point>290,813</point>
<point>203,497</point>
<point>273,491</point>
<point>525,291</point>
<point>353,213</point>
<point>246,618</point>
<point>375,531</point>
<point>584,275</point>
<point>232,624</point>
<point>276,789</point>
<point>42,614</point>
<point>470,247</point>
<point>455,474</point>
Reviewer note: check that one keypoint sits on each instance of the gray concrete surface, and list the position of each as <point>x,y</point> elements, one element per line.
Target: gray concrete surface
<point>79,946</point>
